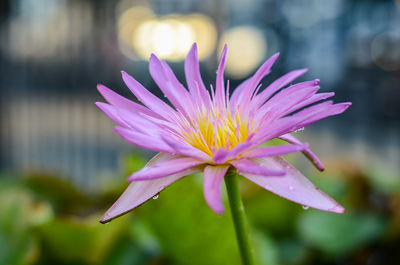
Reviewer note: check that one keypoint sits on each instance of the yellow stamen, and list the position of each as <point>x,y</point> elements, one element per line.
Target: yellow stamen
<point>215,129</point>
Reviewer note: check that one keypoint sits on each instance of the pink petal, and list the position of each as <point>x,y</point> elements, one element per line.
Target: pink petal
<point>283,101</point>
<point>222,155</point>
<point>237,92</point>
<point>268,151</point>
<point>275,129</point>
<point>294,186</point>
<point>311,100</point>
<point>193,77</point>
<point>142,191</point>
<point>146,125</point>
<point>144,141</point>
<point>112,113</point>
<point>166,81</point>
<point>117,100</point>
<point>307,152</point>
<point>183,148</point>
<point>147,98</point>
<point>299,120</point>
<point>248,166</point>
<point>278,84</point>
<point>323,113</point>
<point>264,70</point>
<point>173,165</point>
<point>220,88</point>
<point>312,110</point>
<point>213,176</point>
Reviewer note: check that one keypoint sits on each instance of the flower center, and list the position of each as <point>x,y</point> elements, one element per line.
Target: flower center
<point>215,129</point>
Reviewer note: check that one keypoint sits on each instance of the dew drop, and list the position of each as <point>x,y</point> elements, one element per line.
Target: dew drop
<point>107,223</point>
<point>155,197</point>
<point>305,207</point>
<point>300,129</point>
<point>291,188</point>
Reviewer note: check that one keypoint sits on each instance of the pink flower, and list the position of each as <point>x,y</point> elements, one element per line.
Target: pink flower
<point>213,133</point>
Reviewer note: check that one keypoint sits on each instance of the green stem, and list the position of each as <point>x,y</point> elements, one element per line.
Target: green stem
<point>239,218</point>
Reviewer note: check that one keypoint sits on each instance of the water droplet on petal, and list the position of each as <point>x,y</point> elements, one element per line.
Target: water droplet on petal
<point>300,129</point>
<point>155,197</point>
<point>305,207</point>
<point>107,223</point>
<point>291,188</point>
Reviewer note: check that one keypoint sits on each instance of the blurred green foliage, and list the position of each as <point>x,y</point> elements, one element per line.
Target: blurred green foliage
<point>45,220</point>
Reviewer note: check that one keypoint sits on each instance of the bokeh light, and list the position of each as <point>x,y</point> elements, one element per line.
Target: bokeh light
<point>205,33</point>
<point>128,22</point>
<point>247,49</point>
<point>170,37</point>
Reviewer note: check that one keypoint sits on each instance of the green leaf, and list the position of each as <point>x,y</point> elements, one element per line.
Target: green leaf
<point>339,234</point>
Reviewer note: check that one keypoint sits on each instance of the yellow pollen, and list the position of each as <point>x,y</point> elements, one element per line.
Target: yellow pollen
<point>215,129</point>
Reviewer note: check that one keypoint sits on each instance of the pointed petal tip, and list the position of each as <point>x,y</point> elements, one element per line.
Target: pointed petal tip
<point>118,130</point>
<point>337,209</point>
<point>110,215</point>
<point>219,211</point>
<point>342,107</point>
<point>102,106</point>
<point>193,50</point>
<point>103,90</point>
<point>216,209</point>
<point>302,71</point>
<point>99,87</point>
<point>277,54</point>
<point>98,104</point>
<point>273,58</point>
<point>104,220</point>
<point>223,55</point>
<point>225,49</point>
<point>124,75</point>
<point>153,58</point>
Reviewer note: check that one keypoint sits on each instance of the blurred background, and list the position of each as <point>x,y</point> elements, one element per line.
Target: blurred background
<point>61,165</point>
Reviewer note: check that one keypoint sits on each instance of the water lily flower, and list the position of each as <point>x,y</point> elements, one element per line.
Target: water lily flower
<point>216,132</point>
